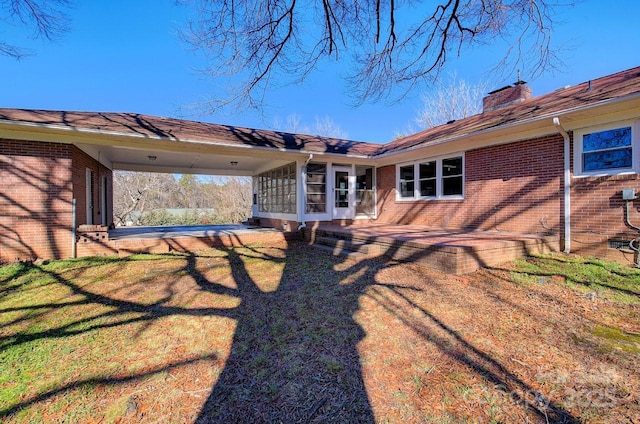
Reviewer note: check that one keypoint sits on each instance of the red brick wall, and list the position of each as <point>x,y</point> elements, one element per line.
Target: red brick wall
<point>280,224</point>
<point>39,181</point>
<point>82,161</point>
<point>598,214</point>
<point>506,96</point>
<point>35,200</point>
<point>512,187</point>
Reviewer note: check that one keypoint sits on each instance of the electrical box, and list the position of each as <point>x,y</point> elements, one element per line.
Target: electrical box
<point>628,194</point>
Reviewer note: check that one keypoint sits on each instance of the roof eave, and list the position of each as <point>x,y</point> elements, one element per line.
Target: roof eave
<point>105,137</point>
<point>481,134</point>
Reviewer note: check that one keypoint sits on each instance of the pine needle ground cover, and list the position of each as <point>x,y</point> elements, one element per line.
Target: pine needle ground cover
<point>292,334</point>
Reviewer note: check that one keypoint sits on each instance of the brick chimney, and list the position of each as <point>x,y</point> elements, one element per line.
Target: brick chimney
<point>506,96</point>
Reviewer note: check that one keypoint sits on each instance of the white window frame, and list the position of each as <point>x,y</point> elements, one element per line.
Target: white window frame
<point>578,149</point>
<point>439,178</point>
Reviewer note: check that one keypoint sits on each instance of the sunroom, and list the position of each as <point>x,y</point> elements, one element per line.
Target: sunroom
<point>314,191</point>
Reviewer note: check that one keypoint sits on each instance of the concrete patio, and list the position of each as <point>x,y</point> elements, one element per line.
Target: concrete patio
<point>453,251</point>
<point>97,240</point>
<point>450,250</point>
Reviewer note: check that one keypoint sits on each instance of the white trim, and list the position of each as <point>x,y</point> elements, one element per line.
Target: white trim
<point>320,216</point>
<point>374,189</point>
<point>350,211</point>
<point>301,195</point>
<point>566,183</point>
<point>274,215</point>
<point>578,145</point>
<point>439,178</point>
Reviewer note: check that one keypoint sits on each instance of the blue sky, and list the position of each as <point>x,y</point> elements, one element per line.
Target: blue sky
<point>126,56</point>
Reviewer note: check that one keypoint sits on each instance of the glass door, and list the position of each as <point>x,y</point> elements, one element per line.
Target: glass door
<point>343,193</point>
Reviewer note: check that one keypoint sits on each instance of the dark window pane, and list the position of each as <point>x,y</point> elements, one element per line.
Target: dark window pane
<point>609,159</point>
<point>407,189</point>
<point>452,186</point>
<point>610,139</point>
<point>316,188</point>
<point>428,188</point>
<point>316,198</point>
<point>316,178</point>
<point>316,208</point>
<point>428,170</point>
<point>317,168</point>
<point>406,173</point>
<point>342,180</point>
<point>452,166</point>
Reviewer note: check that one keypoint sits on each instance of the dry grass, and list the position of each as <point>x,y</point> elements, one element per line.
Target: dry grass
<point>293,334</point>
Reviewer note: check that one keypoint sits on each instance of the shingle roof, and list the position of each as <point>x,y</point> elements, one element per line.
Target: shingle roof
<point>588,93</point>
<point>178,129</point>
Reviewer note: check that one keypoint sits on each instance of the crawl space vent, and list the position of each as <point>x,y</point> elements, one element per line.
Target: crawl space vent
<point>618,244</point>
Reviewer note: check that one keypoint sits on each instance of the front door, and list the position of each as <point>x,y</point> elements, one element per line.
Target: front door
<point>343,194</point>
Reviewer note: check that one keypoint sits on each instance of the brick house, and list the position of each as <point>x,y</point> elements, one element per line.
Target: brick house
<point>557,163</point>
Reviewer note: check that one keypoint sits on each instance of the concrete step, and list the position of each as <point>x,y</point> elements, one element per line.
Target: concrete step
<point>336,251</point>
<point>348,246</point>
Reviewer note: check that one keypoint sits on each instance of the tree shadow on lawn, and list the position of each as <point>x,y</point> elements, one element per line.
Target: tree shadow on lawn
<point>294,354</point>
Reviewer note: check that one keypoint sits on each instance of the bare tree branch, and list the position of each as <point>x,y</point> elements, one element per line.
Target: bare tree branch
<point>450,99</point>
<point>46,17</point>
<point>394,45</point>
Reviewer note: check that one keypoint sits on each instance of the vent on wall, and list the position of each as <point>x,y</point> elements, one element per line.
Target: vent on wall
<point>619,244</point>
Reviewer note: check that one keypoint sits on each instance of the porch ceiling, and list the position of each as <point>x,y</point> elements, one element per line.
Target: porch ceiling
<point>184,161</point>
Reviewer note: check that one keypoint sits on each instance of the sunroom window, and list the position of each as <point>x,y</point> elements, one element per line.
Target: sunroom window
<point>316,201</point>
<point>277,190</point>
<point>431,179</point>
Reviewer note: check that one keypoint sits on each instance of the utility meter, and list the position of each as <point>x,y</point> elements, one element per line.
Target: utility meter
<point>628,194</point>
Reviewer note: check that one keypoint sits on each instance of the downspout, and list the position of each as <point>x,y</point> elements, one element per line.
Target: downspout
<point>567,184</point>
<point>303,223</point>
<point>73,231</point>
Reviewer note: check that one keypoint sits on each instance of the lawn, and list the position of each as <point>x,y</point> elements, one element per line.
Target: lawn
<point>292,334</point>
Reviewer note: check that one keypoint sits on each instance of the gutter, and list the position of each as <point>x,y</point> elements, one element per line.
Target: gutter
<point>567,184</point>
<point>303,189</point>
<point>74,233</point>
